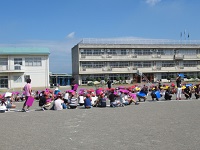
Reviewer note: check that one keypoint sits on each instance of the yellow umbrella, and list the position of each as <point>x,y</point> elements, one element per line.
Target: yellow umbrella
<point>183,87</point>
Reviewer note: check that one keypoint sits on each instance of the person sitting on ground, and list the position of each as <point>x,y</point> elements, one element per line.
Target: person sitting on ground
<point>168,95</point>
<point>8,101</point>
<point>17,98</point>
<point>112,98</point>
<point>59,103</point>
<point>142,94</point>
<point>101,102</point>
<point>87,101</point>
<point>125,99</point>
<point>37,93</point>
<point>51,95</point>
<point>81,99</point>
<point>42,100</point>
<point>197,91</point>
<point>118,97</point>
<point>73,102</point>
<point>66,97</point>
<point>153,93</point>
<point>94,98</point>
<point>56,91</point>
<point>187,92</point>
<point>130,99</point>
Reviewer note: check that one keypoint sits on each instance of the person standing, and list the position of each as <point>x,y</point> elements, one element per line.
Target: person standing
<point>179,89</point>
<point>109,83</point>
<point>72,83</point>
<point>27,92</point>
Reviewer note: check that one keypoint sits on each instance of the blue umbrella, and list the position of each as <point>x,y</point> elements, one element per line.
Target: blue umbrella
<point>181,75</point>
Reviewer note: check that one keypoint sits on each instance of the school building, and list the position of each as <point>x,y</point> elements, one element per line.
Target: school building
<point>19,63</point>
<point>59,79</point>
<point>128,59</point>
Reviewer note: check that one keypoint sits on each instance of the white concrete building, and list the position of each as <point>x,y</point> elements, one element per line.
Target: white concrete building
<point>17,64</point>
<point>156,59</point>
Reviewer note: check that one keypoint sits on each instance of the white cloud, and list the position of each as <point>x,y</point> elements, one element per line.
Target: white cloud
<point>71,35</point>
<point>152,2</point>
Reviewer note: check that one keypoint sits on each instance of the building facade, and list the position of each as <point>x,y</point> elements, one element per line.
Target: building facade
<point>60,79</point>
<point>129,59</point>
<point>19,63</point>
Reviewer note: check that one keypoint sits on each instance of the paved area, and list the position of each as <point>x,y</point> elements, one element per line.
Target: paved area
<point>152,125</point>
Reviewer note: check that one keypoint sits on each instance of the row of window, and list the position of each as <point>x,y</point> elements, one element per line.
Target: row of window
<point>139,51</point>
<point>136,64</point>
<point>16,79</point>
<point>166,75</point>
<point>103,76</point>
<point>35,61</point>
<point>127,76</point>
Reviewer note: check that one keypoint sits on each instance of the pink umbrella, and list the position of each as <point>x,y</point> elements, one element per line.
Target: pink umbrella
<point>71,91</point>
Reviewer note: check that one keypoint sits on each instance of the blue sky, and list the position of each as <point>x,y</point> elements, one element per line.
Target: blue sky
<point>61,24</point>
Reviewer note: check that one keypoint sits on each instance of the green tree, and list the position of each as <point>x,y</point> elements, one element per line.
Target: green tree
<point>117,78</point>
<point>106,79</point>
<point>122,79</point>
<point>188,77</point>
<point>98,79</point>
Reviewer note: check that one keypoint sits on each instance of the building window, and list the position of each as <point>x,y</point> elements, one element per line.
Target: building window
<point>97,52</point>
<point>137,64</point>
<point>166,75</point>
<point>198,51</point>
<point>119,64</point>
<point>138,52</point>
<point>92,64</point>
<point>98,64</point>
<point>17,61</point>
<point>123,52</point>
<point>3,81</point>
<point>111,52</point>
<point>190,63</point>
<point>146,52</point>
<point>168,64</point>
<point>3,61</point>
<point>86,52</point>
<point>86,64</point>
<point>147,64</point>
<point>17,79</point>
<point>33,61</point>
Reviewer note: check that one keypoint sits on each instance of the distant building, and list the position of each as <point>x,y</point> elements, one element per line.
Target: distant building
<point>19,63</point>
<point>59,79</point>
<point>128,59</point>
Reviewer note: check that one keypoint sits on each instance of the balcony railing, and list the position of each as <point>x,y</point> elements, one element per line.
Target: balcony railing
<point>156,56</point>
<point>15,68</point>
<point>178,57</point>
<point>156,68</point>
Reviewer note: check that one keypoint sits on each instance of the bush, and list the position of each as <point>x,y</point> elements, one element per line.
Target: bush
<point>168,78</point>
<point>99,79</point>
<point>90,84</point>
<point>188,77</point>
<point>117,78</point>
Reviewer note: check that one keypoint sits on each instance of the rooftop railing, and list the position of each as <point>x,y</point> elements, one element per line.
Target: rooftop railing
<point>138,41</point>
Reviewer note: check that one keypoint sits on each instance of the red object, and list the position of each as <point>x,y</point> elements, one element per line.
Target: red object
<point>92,90</point>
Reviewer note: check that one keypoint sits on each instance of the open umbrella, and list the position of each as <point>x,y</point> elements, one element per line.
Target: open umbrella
<point>71,91</point>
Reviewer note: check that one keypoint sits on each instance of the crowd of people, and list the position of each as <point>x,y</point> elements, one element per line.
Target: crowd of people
<point>49,99</point>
